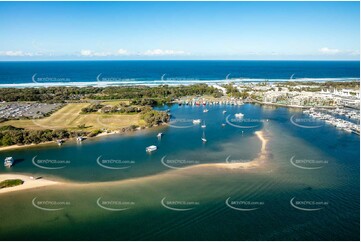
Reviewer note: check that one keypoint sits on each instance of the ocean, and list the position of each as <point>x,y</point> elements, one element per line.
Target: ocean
<point>107,73</point>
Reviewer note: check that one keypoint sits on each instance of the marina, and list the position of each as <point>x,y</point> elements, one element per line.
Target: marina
<point>328,117</point>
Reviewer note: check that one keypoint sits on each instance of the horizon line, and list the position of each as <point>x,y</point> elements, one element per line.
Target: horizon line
<point>175,60</point>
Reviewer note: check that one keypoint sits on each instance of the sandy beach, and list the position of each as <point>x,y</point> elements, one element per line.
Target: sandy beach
<point>29,183</point>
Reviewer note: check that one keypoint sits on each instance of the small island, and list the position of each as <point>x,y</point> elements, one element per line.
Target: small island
<point>11,183</point>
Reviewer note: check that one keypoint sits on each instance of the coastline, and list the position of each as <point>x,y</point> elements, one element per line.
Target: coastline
<point>157,82</point>
<point>29,183</point>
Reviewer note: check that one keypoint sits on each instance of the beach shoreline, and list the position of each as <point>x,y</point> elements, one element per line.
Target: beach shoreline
<point>29,182</point>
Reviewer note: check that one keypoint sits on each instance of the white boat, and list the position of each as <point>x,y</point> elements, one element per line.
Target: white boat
<point>79,139</point>
<point>239,115</point>
<point>159,135</point>
<point>9,161</point>
<point>151,148</point>
<point>223,125</point>
<point>204,125</point>
<point>224,111</point>
<point>60,142</point>
<point>196,121</point>
<point>204,137</point>
<point>348,130</point>
<point>205,111</point>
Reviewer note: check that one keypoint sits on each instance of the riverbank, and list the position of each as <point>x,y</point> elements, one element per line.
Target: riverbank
<point>15,147</point>
<point>29,182</point>
<point>103,134</point>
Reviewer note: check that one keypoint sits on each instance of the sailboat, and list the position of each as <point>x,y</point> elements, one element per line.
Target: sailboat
<point>204,137</point>
<point>204,125</point>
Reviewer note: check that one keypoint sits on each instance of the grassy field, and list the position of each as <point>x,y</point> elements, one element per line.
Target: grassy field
<point>69,117</point>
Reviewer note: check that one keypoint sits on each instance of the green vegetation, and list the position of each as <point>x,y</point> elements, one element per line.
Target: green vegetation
<point>92,108</point>
<point>153,117</point>
<point>122,108</point>
<point>94,133</point>
<point>10,135</point>
<point>156,95</point>
<point>11,183</point>
<point>232,91</point>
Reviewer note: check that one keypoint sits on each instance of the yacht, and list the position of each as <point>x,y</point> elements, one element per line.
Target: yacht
<point>196,121</point>
<point>60,142</point>
<point>239,115</point>
<point>151,148</point>
<point>204,125</point>
<point>205,110</point>
<point>159,135</point>
<point>9,161</point>
<point>224,111</point>
<point>223,125</point>
<point>79,139</point>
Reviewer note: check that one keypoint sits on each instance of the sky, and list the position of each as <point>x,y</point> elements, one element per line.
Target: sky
<point>179,30</point>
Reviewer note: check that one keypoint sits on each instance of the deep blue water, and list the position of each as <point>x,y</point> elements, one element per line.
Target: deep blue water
<point>169,72</point>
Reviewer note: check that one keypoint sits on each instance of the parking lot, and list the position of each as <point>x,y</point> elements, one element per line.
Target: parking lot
<point>30,110</point>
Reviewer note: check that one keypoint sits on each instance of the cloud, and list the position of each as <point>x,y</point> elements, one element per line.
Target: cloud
<point>122,52</point>
<point>329,51</point>
<point>16,53</point>
<point>86,52</point>
<point>90,53</point>
<point>157,52</point>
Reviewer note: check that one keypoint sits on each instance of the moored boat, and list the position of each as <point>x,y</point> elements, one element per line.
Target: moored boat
<point>9,161</point>
<point>196,121</point>
<point>151,148</point>
<point>239,115</point>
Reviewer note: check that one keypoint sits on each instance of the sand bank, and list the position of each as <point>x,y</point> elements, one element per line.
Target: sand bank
<point>29,183</point>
